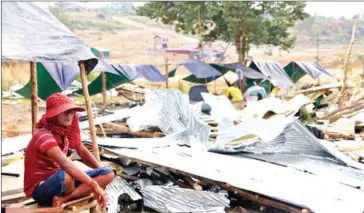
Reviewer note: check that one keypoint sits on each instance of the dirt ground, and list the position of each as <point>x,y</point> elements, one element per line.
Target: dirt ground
<point>135,45</point>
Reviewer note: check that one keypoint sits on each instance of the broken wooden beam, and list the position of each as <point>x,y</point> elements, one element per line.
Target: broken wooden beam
<point>127,130</point>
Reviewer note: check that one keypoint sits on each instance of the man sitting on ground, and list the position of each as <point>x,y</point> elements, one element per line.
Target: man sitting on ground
<point>50,177</point>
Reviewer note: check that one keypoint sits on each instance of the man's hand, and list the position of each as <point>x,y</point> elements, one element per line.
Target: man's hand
<point>99,194</point>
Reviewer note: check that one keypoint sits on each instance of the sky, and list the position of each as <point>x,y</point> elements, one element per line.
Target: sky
<point>327,9</point>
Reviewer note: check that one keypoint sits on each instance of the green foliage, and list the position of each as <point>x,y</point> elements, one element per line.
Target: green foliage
<point>243,23</point>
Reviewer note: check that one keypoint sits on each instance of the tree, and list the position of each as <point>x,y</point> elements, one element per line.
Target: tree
<point>243,23</point>
<point>316,33</point>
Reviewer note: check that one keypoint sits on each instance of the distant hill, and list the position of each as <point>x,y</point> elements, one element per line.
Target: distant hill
<point>332,31</point>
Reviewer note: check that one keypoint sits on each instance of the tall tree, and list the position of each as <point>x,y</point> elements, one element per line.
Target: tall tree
<point>243,23</point>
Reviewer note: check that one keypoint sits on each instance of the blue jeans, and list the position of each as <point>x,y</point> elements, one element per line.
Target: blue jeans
<point>55,185</point>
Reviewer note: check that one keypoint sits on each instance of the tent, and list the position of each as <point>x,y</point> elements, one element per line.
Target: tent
<point>297,69</point>
<point>195,92</point>
<point>271,69</point>
<point>120,74</point>
<point>55,77</point>
<point>197,68</point>
<point>31,33</point>
<point>223,69</point>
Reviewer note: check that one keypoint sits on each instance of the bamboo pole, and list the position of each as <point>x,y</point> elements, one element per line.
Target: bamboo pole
<point>343,88</point>
<point>89,109</point>
<point>166,67</point>
<point>34,93</point>
<point>104,95</point>
<point>103,80</point>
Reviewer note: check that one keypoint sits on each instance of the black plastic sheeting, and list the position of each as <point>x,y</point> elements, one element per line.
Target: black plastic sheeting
<point>31,33</point>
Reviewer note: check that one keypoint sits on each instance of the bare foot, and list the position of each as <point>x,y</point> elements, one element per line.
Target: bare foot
<point>58,201</point>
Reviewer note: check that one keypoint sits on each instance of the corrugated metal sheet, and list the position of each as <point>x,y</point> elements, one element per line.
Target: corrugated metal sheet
<point>171,112</point>
<point>14,144</point>
<point>115,189</point>
<point>317,165</point>
<point>175,199</point>
<point>316,192</point>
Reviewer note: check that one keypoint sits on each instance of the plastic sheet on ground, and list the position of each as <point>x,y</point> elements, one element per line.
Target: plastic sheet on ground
<point>115,189</point>
<point>175,199</point>
<point>221,107</point>
<point>259,109</point>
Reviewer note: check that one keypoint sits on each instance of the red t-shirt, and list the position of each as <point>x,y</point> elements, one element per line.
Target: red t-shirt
<point>38,166</point>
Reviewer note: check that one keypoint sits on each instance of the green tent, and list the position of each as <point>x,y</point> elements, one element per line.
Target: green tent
<point>44,89</point>
<point>294,71</point>
<point>112,81</point>
<point>97,50</point>
<point>297,69</point>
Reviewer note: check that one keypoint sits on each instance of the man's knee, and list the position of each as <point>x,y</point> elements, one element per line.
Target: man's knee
<point>109,177</point>
<point>105,179</point>
<point>69,184</point>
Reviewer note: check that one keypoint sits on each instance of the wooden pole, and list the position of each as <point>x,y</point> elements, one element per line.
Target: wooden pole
<point>104,95</point>
<point>89,109</point>
<point>166,67</point>
<point>103,79</point>
<point>34,93</point>
<point>343,88</point>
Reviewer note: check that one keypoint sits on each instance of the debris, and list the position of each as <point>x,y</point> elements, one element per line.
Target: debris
<point>175,199</point>
<point>117,191</point>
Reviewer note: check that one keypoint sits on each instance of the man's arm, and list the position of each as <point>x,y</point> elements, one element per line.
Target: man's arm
<point>87,157</point>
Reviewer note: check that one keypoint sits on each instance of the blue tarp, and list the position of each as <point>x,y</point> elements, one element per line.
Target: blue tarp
<point>133,72</point>
<point>247,71</point>
<point>197,68</point>
<point>195,92</point>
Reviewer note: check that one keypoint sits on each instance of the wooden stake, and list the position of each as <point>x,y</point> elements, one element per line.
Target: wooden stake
<point>104,95</point>
<point>89,109</point>
<point>103,80</point>
<point>343,88</point>
<point>34,93</point>
<point>166,67</point>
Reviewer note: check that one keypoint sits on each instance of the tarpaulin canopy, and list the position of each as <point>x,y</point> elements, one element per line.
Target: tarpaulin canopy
<point>55,77</point>
<point>120,74</point>
<point>197,68</point>
<point>133,72</point>
<point>277,76</point>
<point>223,69</point>
<point>297,69</point>
<point>31,33</point>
